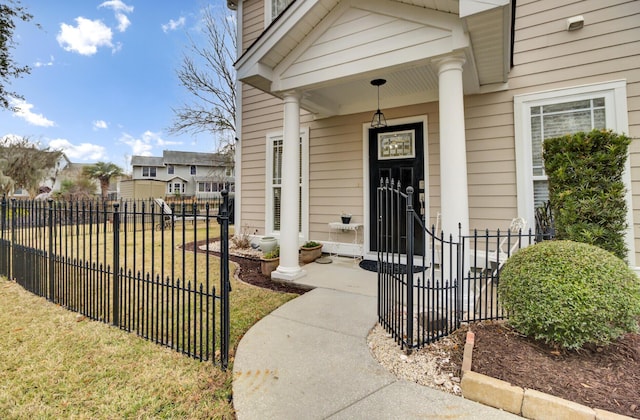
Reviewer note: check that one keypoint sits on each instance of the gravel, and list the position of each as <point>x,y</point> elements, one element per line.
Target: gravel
<point>434,365</point>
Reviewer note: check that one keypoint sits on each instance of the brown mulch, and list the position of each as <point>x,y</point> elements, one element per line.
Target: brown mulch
<point>599,377</point>
<point>248,270</point>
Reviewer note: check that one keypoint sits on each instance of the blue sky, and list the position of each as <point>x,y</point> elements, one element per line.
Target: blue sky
<point>103,79</point>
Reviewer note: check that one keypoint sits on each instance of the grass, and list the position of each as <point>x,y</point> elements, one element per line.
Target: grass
<point>55,365</point>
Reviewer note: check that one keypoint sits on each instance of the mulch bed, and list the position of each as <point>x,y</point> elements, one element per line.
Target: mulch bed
<point>599,377</point>
<point>248,270</point>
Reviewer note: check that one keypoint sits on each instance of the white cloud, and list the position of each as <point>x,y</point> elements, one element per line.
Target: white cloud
<point>117,6</point>
<point>143,146</point>
<point>120,9</point>
<point>174,24</point>
<point>43,63</point>
<point>98,124</point>
<point>23,110</point>
<point>123,22</point>
<point>85,38</point>
<point>11,138</point>
<point>82,151</point>
<point>138,146</point>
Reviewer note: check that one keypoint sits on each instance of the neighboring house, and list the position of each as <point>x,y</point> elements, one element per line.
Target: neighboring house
<point>74,171</point>
<point>185,174</point>
<point>472,87</point>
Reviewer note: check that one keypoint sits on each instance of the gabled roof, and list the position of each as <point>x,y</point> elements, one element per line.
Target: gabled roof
<point>330,50</point>
<point>173,157</point>
<point>146,161</point>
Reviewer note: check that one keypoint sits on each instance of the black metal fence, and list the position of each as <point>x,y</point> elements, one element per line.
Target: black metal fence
<point>429,284</point>
<point>127,264</point>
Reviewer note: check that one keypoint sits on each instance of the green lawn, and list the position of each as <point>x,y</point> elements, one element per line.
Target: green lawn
<point>53,364</point>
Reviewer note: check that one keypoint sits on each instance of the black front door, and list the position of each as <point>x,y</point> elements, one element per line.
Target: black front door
<point>397,153</point>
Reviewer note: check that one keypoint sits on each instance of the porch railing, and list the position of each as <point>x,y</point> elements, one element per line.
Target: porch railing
<point>425,292</point>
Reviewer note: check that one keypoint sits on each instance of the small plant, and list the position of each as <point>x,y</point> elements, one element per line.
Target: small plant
<point>311,244</point>
<point>569,293</point>
<point>274,253</point>
<point>242,240</point>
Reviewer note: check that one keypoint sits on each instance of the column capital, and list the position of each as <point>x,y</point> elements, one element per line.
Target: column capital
<point>291,96</point>
<point>450,62</point>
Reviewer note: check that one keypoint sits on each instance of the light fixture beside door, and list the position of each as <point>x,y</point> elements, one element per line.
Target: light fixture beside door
<point>378,119</point>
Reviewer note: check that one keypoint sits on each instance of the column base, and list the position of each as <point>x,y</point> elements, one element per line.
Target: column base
<point>289,274</point>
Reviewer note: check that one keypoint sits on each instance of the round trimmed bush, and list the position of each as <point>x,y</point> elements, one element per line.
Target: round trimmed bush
<point>569,293</point>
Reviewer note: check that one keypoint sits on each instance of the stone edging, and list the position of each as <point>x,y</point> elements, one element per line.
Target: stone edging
<point>524,402</point>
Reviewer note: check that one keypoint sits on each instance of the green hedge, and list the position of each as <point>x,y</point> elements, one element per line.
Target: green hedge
<point>586,189</point>
<point>568,294</point>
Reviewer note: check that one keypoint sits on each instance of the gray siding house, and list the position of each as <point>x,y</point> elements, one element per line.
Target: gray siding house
<point>186,174</point>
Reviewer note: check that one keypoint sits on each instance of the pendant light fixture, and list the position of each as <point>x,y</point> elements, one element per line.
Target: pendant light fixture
<point>378,118</point>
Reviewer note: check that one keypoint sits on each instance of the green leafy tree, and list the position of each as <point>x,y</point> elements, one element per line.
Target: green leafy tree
<point>104,172</point>
<point>25,164</point>
<point>11,12</point>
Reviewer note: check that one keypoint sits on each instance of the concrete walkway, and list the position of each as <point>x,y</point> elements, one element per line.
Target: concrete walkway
<point>309,359</point>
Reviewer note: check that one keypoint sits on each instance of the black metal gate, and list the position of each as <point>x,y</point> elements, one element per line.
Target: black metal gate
<point>426,292</point>
<point>418,293</point>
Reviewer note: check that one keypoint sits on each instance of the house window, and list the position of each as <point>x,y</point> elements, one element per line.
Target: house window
<point>192,170</point>
<point>208,186</point>
<point>149,171</point>
<point>170,170</point>
<point>274,8</point>
<point>274,182</point>
<point>555,120</point>
<point>555,113</point>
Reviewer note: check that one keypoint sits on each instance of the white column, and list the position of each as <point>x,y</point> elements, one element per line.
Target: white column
<point>289,268</point>
<point>453,153</point>
<point>454,196</point>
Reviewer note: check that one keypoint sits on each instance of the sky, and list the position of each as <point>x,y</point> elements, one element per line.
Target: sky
<point>103,77</point>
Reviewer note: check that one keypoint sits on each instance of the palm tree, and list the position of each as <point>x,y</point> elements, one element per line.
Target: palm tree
<point>103,172</point>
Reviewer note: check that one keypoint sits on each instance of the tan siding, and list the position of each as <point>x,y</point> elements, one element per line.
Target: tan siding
<point>546,57</point>
<point>252,21</point>
<point>335,172</point>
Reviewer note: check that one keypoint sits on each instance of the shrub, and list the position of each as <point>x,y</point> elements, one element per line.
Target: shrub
<point>586,189</point>
<point>568,294</point>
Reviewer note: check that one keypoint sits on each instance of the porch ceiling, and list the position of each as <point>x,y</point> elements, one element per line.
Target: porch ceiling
<point>330,50</point>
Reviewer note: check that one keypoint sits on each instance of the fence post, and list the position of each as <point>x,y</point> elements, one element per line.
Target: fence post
<point>225,286</point>
<point>51,253</point>
<point>116,265</point>
<point>5,248</point>
<point>410,250</point>
<point>460,279</point>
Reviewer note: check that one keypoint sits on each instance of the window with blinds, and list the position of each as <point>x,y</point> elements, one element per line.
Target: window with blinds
<point>276,183</point>
<point>556,120</point>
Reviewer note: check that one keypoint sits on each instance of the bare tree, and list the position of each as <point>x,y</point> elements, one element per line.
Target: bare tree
<point>208,75</point>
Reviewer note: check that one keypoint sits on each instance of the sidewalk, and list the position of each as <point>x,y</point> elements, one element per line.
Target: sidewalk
<point>309,359</point>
